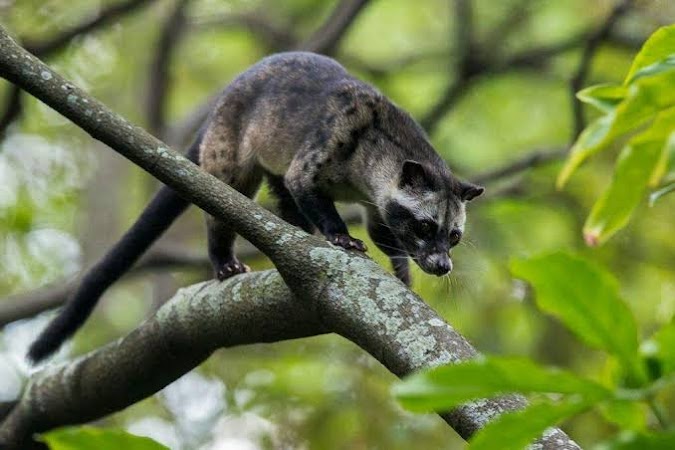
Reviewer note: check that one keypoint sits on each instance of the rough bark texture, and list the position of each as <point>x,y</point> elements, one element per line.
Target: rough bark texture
<point>326,289</point>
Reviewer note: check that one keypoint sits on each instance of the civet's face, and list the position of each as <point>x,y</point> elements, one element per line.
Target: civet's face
<point>428,216</point>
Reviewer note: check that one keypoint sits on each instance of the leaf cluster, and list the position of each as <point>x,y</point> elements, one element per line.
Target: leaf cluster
<point>639,116</point>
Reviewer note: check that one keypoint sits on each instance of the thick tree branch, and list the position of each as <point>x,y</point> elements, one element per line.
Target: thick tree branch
<point>387,321</point>
<point>340,291</point>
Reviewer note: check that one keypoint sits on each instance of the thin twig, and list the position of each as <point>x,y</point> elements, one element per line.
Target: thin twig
<point>273,36</point>
<point>466,64</point>
<point>22,306</point>
<point>658,413</point>
<point>103,17</point>
<point>158,80</point>
<point>324,40</point>
<point>528,161</point>
<point>591,47</point>
<point>13,108</point>
<point>28,304</point>
<point>464,39</point>
<point>474,68</point>
<point>47,48</point>
<point>498,36</point>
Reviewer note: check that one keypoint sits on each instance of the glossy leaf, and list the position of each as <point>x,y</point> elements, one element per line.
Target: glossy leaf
<point>514,431</point>
<point>665,162</point>
<point>660,45</point>
<point>605,97</point>
<point>586,299</point>
<point>614,208</point>
<point>646,98</point>
<point>588,142</point>
<point>78,438</point>
<point>640,163</point>
<point>658,67</point>
<point>448,386</point>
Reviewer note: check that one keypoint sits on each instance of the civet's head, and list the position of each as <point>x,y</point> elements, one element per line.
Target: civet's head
<point>426,212</point>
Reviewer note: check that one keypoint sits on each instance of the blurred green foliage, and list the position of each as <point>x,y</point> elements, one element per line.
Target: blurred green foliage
<point>64,199</point>
<point>586,299</point>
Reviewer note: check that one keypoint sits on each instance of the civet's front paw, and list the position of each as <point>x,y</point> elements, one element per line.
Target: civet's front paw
<point>347,242</point>
<point>231,268</point>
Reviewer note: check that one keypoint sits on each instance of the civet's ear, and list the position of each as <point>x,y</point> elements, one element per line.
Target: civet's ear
<point>413,174</point>
<point>469,191</point>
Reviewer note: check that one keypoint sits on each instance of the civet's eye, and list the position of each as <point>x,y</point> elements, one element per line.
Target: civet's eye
<point>426,228</point>
<point>455,236</point>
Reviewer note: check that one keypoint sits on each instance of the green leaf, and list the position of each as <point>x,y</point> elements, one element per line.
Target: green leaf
<point>635,441</point>
<point>661,66</point>
<point>588,142</point>
<point>660,45</point>
<point>445,387</point>
<point>586,299</point>
<point>615,206</point>
<point>605,97</point>
<point>638,165</point>
<point>78,438</point>
<point>518,429</point>
<point>663,171</point>
<point>646,98</point>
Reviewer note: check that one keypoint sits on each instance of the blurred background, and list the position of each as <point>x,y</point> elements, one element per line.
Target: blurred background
<point>492,83</point>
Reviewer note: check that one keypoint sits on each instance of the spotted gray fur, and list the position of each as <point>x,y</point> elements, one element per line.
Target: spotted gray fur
<point>321,135</point>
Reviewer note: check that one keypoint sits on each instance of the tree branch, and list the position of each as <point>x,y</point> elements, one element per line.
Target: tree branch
<point>591,47</point>
<point>466,64</point>
<point>55,44</point>
<point>13,108</point>
<point>28,304</point>
<point>344,292</point>
<point>478,64</point>
<point>25,305</point>
<point>158,80</point>
<point>324,40</point>
<point>248,309</point>
<point>326,37</point>
<point>272,35</point>
<point>99,19</point>
<point>530,160</point>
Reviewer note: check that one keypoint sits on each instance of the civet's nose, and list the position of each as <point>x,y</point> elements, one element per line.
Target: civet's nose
<point>439,264</point>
